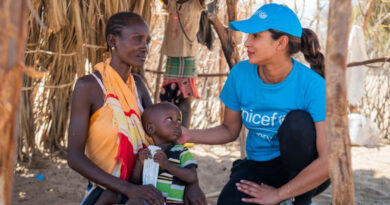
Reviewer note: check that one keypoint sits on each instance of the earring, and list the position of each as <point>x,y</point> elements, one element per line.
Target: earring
<point>112,48</point>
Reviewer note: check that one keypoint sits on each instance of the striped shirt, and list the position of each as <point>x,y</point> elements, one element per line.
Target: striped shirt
<point>169,185</point>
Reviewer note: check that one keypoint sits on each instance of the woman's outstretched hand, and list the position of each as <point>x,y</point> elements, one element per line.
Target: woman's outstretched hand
<point>262,194</point>
<point>184,138</point>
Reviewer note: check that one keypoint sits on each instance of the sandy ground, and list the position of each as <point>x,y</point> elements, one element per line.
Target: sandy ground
<point>61,185</point>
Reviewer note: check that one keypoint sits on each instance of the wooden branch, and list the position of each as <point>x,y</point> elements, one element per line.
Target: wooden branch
<point>156,96</point>
<point>228,46</point>
<point>338,142</point>
<point>205,75</point>
<point>231,9</point>
<point>376,60</point>
<point>367,13</point>
<point>225,35</point>
<point>13,21</point>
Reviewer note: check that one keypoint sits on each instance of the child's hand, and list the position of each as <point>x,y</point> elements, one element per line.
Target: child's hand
<point>144,154</point>
<point>161,158</point>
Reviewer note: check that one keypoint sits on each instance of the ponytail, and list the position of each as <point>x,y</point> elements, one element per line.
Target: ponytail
<point>310,47</point>
<point>308,44</point>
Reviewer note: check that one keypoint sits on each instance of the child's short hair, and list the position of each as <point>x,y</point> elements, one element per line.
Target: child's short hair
<point>153,111</point>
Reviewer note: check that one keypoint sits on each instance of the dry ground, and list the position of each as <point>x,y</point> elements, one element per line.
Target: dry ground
<point>371,168</point>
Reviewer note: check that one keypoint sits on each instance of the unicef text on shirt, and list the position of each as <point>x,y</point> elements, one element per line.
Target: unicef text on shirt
<point>264,120</point>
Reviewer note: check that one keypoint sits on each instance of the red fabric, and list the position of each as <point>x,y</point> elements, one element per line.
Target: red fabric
<point>128,114</point>
<point>126,156</point>
<point>112,96</point>
<point>187,86</point>
<point>126,152</point>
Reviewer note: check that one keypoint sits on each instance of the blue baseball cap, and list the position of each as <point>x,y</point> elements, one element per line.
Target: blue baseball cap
<point>270,16</point>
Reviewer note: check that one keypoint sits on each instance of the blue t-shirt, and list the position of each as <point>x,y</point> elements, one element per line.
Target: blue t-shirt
<point>264,106</point>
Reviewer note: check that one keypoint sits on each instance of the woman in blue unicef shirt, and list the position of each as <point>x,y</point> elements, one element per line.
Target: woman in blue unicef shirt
<point>282,104</point>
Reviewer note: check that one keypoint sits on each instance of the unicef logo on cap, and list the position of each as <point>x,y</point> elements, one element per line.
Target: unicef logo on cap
<point>261,14</point>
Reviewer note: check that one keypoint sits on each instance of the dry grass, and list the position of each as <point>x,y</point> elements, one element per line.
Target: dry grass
<point>73,41</point>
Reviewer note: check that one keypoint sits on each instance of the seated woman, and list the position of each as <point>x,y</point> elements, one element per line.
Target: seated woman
<point>105,132</point>
<point>282,103</point>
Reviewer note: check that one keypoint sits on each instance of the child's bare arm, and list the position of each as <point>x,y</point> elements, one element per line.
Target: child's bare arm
<point>187,175</point>
<point>136,176</point>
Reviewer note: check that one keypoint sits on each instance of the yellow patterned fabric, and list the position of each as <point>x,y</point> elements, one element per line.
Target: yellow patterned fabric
<point>123,110</point>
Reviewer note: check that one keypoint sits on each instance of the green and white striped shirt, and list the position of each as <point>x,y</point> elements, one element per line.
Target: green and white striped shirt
<point>169,185</point>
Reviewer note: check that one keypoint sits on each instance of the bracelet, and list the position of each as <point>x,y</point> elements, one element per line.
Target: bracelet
<point>288,189</point>
<point>289,192</point>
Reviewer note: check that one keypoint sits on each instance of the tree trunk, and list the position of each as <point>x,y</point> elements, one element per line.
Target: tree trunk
<point>156,96</point>
<point>13,21</point>
<point>226,36</point>
<point>231,9</point>
<point>339,145</point>
<point>367,13</point>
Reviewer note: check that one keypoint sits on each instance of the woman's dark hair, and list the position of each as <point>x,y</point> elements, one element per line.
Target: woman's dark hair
<point>118,21</point>
<point>308,44</point>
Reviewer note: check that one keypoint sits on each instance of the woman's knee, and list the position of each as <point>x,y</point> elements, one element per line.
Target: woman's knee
<point>297,119</point>
<point>230,194</point>
<point>298,126</point>
<point>241,170</point>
